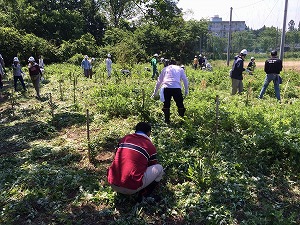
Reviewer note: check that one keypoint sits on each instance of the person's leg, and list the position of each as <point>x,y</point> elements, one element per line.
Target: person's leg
<point>36,84</point>
<point>264,88</point>
<point>15,82</point>
<point>167,103</point>
<point>178,98</point>
<point>151,179</point>
<point>86,73</point>
<point>234,84</point>
<point>153,72</point>
<point>108,73</point>
<point>22,82</point>
<point>240,86</point>
<point>276,88</point>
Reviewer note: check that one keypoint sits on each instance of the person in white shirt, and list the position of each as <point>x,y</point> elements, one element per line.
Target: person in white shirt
<point>108,63</point>
<point>170,82</point>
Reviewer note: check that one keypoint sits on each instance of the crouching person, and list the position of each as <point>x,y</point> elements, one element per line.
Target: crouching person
<point>135,168</point>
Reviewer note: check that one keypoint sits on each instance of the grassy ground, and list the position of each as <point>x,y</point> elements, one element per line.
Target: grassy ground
<point>232,160</point>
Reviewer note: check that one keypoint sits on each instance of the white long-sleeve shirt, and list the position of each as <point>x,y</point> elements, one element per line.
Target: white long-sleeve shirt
<point>171,77</point>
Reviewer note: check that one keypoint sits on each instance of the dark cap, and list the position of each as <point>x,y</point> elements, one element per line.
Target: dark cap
<point>273,53</point>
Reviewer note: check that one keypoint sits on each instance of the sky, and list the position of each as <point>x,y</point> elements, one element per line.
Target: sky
<point>255,13</point>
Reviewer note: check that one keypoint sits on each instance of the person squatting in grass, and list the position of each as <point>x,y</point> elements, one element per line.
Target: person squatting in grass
<point>17,73</point>
<point>236,73</point>
<point>135,167</point>
<point>35,75</point>
<point>273,66</point>
<point>170,82</point>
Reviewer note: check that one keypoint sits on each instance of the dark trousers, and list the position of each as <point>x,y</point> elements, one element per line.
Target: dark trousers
<point>177,96</point>
<point>20,78</point>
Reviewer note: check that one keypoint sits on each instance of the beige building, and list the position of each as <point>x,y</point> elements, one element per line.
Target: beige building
<point>221,28</point>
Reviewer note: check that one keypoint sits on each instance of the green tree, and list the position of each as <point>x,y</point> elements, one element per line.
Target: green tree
<point>163,13</point>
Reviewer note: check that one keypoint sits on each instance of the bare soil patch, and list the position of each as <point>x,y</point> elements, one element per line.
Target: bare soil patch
<point>287,65</point>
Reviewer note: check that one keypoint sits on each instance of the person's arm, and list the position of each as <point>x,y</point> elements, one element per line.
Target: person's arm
<point>185,82</point>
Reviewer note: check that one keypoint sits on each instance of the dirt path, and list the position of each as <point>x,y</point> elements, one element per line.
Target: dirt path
<point>287,65</point>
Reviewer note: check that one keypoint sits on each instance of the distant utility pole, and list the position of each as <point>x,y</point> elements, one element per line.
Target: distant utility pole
<point>229,38</point>
<point>283,31</point>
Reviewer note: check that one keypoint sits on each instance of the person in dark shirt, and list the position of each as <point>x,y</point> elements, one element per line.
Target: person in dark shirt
<point>251,66</point>
<point>273,66</point>
<point>236,72</point>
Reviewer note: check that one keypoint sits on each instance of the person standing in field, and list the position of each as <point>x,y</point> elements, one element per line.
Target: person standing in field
<point>35,75</point>
<point>135,167</point>
<point>236,73</point>
<point>18,73</point>
<point>170,82</point>
<point>108,63</point>
<point>91,67</point>
<point>85,65</point>
<point>251,66</point>
<point>154,62</point>
<point>2,70</point>
<point>273,66</point>
<point>195,62</point>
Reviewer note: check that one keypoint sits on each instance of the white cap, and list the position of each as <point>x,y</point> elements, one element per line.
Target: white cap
<point>31,59</point>
<point>252,58</point>
<point>182,66</point>
<point>108,55</point>
<point>85,56</point>
<point>244,52</point>
<point>16,59</point>
<point>156,55</point>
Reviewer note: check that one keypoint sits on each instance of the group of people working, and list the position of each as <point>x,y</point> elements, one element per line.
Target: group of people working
<point>135,168</point>
<point>35,72</point>
<point>272,68</point>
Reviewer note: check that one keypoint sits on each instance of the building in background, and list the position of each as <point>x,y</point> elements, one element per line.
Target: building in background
<point>221,28</point>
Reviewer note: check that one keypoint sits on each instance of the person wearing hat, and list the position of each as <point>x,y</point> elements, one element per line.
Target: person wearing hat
<point>108,63</point>
<point>17,73</point>
<point>35,75</point>
<point>135,168</point>
<point>195,62</point>
<point>273,66</point>
<point>85,65</point>
<point>153,63</point>
<point>236,73</point>
<point>251,66</point>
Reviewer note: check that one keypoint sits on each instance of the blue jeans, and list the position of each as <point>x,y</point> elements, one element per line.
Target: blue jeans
<point>269,78</point>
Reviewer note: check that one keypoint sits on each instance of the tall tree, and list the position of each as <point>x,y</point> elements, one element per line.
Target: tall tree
<point>117,10</point>
<point>163,13</point>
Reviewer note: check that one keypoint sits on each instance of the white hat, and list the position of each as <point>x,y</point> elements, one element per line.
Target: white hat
<point>16,59</point>
<point>31,59</point>
<point>244,52</point>
<point>85,56</point>
<point>252,58</point>
<point>108,55</point>
<point>156,55</point>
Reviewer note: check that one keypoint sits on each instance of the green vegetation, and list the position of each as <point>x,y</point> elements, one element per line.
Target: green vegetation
<point>241,167</point>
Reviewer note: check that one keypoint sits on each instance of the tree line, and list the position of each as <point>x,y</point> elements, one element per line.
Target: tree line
<point>131,30</point>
